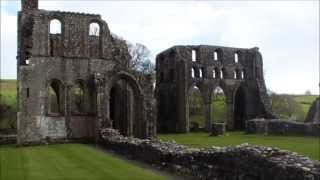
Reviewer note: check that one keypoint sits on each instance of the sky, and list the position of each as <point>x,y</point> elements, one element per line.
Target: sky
<point>286,32</point>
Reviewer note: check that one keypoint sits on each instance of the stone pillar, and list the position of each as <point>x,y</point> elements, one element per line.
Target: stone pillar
<point>208,116</point>
<point>67,109</point>
<point>230,113</point>
<point>99,83</point>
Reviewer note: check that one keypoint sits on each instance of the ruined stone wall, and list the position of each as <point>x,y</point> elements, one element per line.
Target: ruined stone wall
<point>314,112</point>
<point>238,71</point>
<point>243,162</point>
<point>282,127</point>
<point>76,64</point>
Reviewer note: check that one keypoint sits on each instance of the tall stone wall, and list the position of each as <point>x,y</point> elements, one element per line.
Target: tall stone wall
<point>66,75</point>
<point>244,162</point>
<point>238,71</point>
<point>314,112</point>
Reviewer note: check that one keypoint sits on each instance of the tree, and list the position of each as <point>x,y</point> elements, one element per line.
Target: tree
<point>140,58</point>
<point>286,106</point>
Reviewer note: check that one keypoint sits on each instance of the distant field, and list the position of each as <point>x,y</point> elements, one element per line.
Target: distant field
<point>308,146</point>
<point>67,162</point>
<point>305,101</point>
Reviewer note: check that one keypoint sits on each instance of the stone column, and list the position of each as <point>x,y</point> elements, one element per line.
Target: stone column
<point>67,109</point>
<point>208,116</point>
<point>99,83</point>
<point>230,113</point>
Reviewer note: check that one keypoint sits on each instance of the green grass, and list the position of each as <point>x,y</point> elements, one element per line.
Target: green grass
<point>8,98</point>
<point>218,113</point>
<point>305,101</point>
<point>308,146</point>
<point>66,162</point>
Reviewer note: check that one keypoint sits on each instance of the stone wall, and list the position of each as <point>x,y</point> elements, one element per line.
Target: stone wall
<point>8,136</point>
<point>237,71</point>
<point>244,162</point>
<point>314,112</point>
<point>282,127</point>
<point>66,78</point>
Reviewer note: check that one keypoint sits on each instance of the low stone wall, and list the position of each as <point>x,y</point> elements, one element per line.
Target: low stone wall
<point>8,136</point>
<point>282,127</point>
<point>8,139</point>
<point>244,162</point>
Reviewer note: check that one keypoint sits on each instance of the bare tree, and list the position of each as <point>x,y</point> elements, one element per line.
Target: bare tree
<point>140,58</point>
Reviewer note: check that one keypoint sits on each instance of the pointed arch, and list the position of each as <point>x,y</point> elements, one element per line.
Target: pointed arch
<point>55,97</point>
<point>126,105</point>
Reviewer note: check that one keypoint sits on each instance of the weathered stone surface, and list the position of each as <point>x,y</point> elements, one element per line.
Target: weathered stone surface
<point>240,78</point>
<point>218,129</point>
<point>71,82</point>
<point>314,112</point>
<point>243,162</point>
<point>282,127</point>
<point>8,136</point>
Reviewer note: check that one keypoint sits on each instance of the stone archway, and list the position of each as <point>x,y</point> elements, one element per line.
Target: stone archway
<point>240,109</point>
<point>196,117</point>
<point>125,105</point>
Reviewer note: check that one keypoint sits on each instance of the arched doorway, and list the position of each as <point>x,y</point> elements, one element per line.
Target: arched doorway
<point>219,106</point>
<point>125,107</point>
<point>55,94</point>
<point>196,109</point>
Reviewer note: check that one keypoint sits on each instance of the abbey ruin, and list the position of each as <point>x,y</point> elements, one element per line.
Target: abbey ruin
<point>238,71</point>
<point>74,80</point>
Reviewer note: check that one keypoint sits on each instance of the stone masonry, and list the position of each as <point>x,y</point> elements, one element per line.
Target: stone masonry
<point>238,71</point>
<point>73,79</point>
<point>313,115</point>
<point>243,162</point>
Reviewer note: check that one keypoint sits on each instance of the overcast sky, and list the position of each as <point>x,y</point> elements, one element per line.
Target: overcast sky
<point>287,32</point>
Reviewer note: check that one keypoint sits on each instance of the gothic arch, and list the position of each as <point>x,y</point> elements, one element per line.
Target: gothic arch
<point>55,97</point>
<point>126,104</point>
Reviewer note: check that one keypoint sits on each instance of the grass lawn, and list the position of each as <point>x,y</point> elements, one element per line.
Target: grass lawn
<point>308,146</point>
<point>66,162</point>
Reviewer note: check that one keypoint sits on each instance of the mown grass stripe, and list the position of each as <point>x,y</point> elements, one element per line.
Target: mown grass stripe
<point>67,162</point>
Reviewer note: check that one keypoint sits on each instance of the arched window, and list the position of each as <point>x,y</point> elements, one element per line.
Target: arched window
<point>200,73</point>
<point>94,29</point>
<point>54,94</point>
<point>78,98</point>
<point>215,56</point>
<point>192,73</point>
<point>236,57</point>
<point>55,26</point>
<point>214,74</point>
<point>194,55</point>
<point>234,74</point>
<point>242,74</point>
